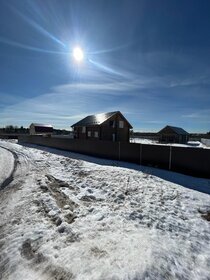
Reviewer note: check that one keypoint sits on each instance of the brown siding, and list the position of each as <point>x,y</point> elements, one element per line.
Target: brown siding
<point>167,135</point>
<point>80,135</point>
<point>92,130</point>
<point>121,134</point>
<point>105,131</point>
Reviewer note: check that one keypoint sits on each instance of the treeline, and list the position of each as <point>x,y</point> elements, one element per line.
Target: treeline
<point>61,132</point>
<point>11,129</point>
<point>155,135</point>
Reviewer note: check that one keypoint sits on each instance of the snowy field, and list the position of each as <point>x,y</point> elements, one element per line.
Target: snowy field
<point>6,165</point>
<point>190,144</point>
<point>68,216</point>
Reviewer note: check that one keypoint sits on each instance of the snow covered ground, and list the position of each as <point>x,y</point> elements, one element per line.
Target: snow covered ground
<point>190,144</point>
<point>69,216</point>
<point>6,164</point>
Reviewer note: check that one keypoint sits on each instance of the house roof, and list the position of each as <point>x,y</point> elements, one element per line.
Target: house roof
<point>41,125</point>
<point>97,119</point>
<point>177,130</point>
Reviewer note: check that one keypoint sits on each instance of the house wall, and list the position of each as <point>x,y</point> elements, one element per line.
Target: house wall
<point>80,135</point>
<point>105,131</point>
<point>167,135</point>
<point>121,134</point>
<point>32,130</point>
<point>173,138</point>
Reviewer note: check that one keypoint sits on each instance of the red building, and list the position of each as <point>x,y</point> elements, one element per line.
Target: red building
<point>40,129</point>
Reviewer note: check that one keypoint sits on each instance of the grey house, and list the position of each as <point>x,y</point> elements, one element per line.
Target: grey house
<point>111,126</point>
<point>172,134</point>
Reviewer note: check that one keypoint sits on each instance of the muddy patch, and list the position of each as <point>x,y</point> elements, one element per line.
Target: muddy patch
<point>55,187</point>
<point>58,273</point>
<point>205,213</point>
<point>29,251</point>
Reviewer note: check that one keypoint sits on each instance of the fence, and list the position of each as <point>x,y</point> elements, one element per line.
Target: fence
<point>192,161</point>
<point>8,136</point>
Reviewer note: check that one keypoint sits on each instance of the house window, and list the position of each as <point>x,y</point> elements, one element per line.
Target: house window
<point>96,134</point>
<point>89,133</point>
<point>112,123</point>
<point>83,129</point>
<point>121,124</point>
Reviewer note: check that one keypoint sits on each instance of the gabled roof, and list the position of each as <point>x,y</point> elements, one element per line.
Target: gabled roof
<point>41,125</point>
<point>177,130</point>
<point>98,119</point>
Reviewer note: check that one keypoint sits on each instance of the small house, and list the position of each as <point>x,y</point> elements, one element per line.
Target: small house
<point>172,134</point>
<point>111,126</point>
<point>40,129</point>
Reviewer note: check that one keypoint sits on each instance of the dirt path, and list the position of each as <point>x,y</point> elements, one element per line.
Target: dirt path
<point>10,168</point>
<point>12,208</point>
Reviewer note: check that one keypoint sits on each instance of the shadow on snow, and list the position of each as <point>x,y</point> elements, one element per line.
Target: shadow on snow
<point>193,183</point>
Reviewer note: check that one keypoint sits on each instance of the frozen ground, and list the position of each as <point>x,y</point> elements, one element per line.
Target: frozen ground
<point>6,164</point>
<point>69,216</point>
<point>190,144</point>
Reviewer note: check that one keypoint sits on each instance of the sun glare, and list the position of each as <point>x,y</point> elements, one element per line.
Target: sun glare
<point>78,54</point>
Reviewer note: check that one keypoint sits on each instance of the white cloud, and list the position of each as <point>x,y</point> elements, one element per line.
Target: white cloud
<point>96,92</point>
<point>199,114</point>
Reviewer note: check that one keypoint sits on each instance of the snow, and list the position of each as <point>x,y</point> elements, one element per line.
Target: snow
<point>6,164</point>
<point>69,216</point>
<point>190,144</point>
<point>205,142</point>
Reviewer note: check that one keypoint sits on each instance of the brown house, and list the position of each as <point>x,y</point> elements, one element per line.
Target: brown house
<point>111,126</point>
<point>172,134</point>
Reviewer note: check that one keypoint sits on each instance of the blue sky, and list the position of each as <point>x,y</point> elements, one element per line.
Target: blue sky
<point>149,59</point>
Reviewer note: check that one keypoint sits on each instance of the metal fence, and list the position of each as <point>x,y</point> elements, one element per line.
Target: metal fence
<point>192,161</point>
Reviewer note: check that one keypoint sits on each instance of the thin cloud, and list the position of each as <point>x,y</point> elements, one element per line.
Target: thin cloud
<point>7,99</point>
<point>200,114</point>
<point>36,26</point>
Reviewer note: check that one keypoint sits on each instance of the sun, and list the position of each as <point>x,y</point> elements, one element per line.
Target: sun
<point>78,54</point>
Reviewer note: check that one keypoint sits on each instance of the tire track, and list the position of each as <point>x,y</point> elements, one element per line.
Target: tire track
<point>9,179</point>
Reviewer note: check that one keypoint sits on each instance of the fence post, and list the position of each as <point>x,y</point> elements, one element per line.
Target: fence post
<point>170,157</point>
<point>140,155</point>
<point>119,150</point>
